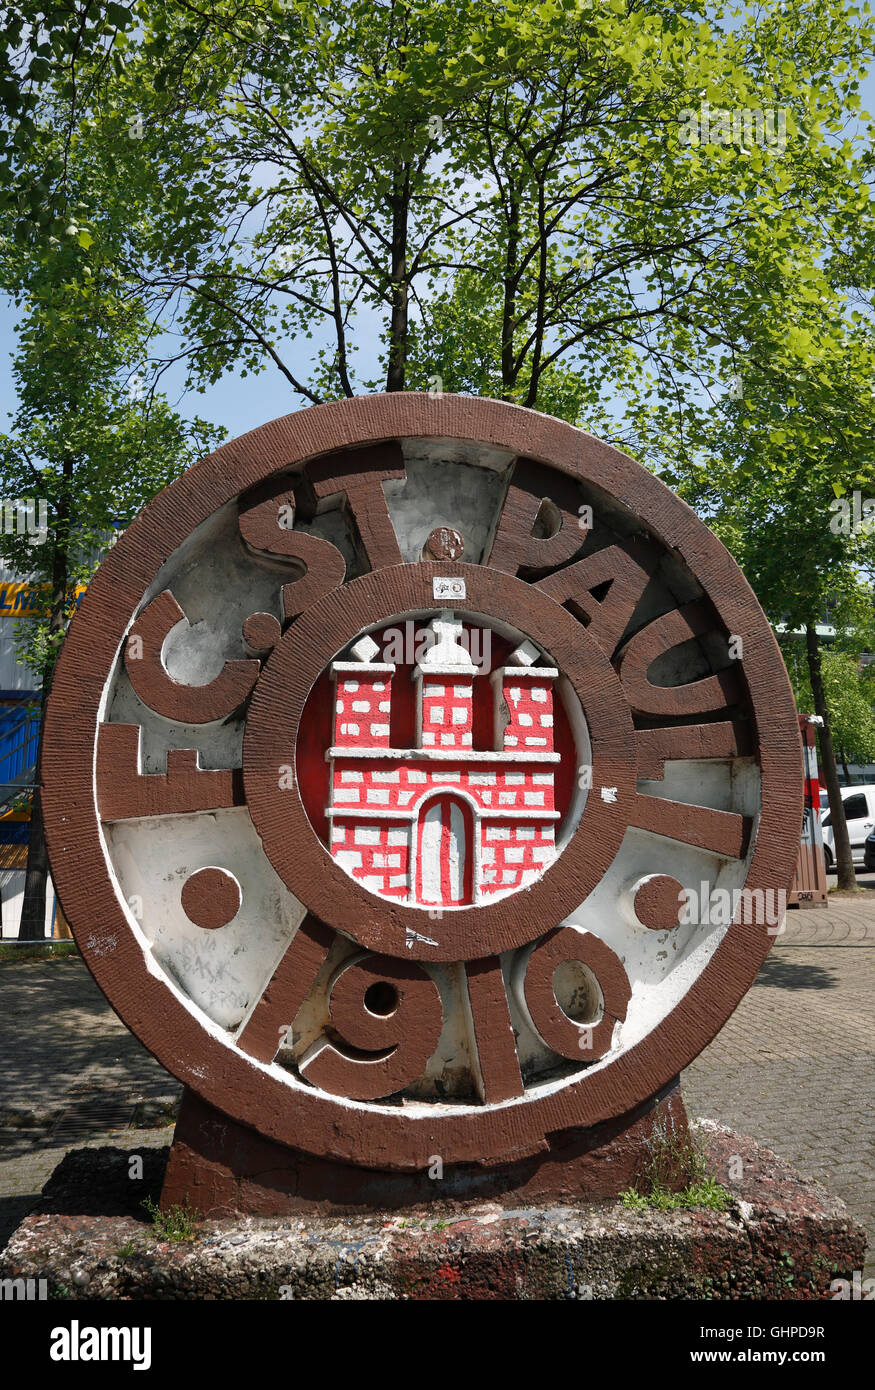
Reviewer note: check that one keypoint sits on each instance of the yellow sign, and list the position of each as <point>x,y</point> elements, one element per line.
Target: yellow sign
<point>17,600</point>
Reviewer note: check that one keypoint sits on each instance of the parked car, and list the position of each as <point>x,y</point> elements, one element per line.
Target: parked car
<point>869,852</point>
<point>859,804</point>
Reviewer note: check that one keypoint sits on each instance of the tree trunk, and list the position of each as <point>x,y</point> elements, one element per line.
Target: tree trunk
<point>508,313</point>
<point>844,762</point>
<point>33,912</point>
<point>398,279</point>
<point>531,398</point>
<point>843,857</point>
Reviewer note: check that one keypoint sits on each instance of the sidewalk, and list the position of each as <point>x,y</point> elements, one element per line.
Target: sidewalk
<point>73,1074</point>
<point>794,1065</point>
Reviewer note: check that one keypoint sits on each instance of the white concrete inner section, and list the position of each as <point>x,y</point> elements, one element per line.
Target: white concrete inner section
<point>222,970</point>
<point>448,483</point>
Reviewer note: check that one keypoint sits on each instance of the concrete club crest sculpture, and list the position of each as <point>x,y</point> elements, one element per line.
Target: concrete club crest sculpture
<point>378,758</point>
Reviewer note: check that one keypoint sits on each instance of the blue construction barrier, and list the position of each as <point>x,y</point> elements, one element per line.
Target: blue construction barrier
<point>19,739</point>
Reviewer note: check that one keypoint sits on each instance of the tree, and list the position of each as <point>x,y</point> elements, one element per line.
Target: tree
<point>402,171</point>
<point>619,248</point>
<point>767,471</point>
<point>91,442</point>
<point>87,449</point>
<point>356,214</point>
<point>849,696</point>
<point>50,47</point>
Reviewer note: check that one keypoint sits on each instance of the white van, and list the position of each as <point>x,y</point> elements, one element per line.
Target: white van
<point>859,804</point>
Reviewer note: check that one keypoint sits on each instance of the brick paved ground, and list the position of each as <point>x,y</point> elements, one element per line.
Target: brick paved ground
<point>59,1037</point>
<point>65,1055</point>
<point>793,1066</point>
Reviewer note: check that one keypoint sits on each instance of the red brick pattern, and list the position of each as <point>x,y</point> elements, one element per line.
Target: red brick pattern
<point>375,801</point>
<point>447,714</point>
<point>378,853</point>
<point>513,855</point>
<point>529,701</point>
<point>361,717</point>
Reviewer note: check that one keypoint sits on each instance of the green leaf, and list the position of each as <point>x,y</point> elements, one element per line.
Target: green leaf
<point>118,15</point>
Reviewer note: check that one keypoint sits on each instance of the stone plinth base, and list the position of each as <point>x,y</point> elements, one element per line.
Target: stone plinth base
<point>783,1238</point>
<point>222,1168</point>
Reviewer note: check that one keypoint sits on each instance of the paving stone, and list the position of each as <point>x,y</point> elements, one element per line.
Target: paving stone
<point>793,1066</point>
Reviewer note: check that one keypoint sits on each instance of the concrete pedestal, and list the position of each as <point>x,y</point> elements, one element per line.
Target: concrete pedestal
<point>221,1168</point>
<point>783,1238</point>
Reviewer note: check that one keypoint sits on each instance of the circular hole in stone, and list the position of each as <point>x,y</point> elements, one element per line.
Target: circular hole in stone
<point>577,992</point>
<point>381,998</point>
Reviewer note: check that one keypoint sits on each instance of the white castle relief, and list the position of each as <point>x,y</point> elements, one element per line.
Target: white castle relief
<point>443,824</point>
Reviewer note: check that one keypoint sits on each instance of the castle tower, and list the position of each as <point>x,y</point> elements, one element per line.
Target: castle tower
<point>363,693</point>
<point>444,688</point>
<point>523,702</point>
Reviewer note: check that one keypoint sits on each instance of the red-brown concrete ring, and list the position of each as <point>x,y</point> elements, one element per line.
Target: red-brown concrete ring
<point>382,1136</point>
<point>291,843</point>
<point>584,1042</point>
<point>211,898</point>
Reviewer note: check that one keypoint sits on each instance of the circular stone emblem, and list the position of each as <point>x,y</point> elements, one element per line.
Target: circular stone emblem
<point>407,784</point>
